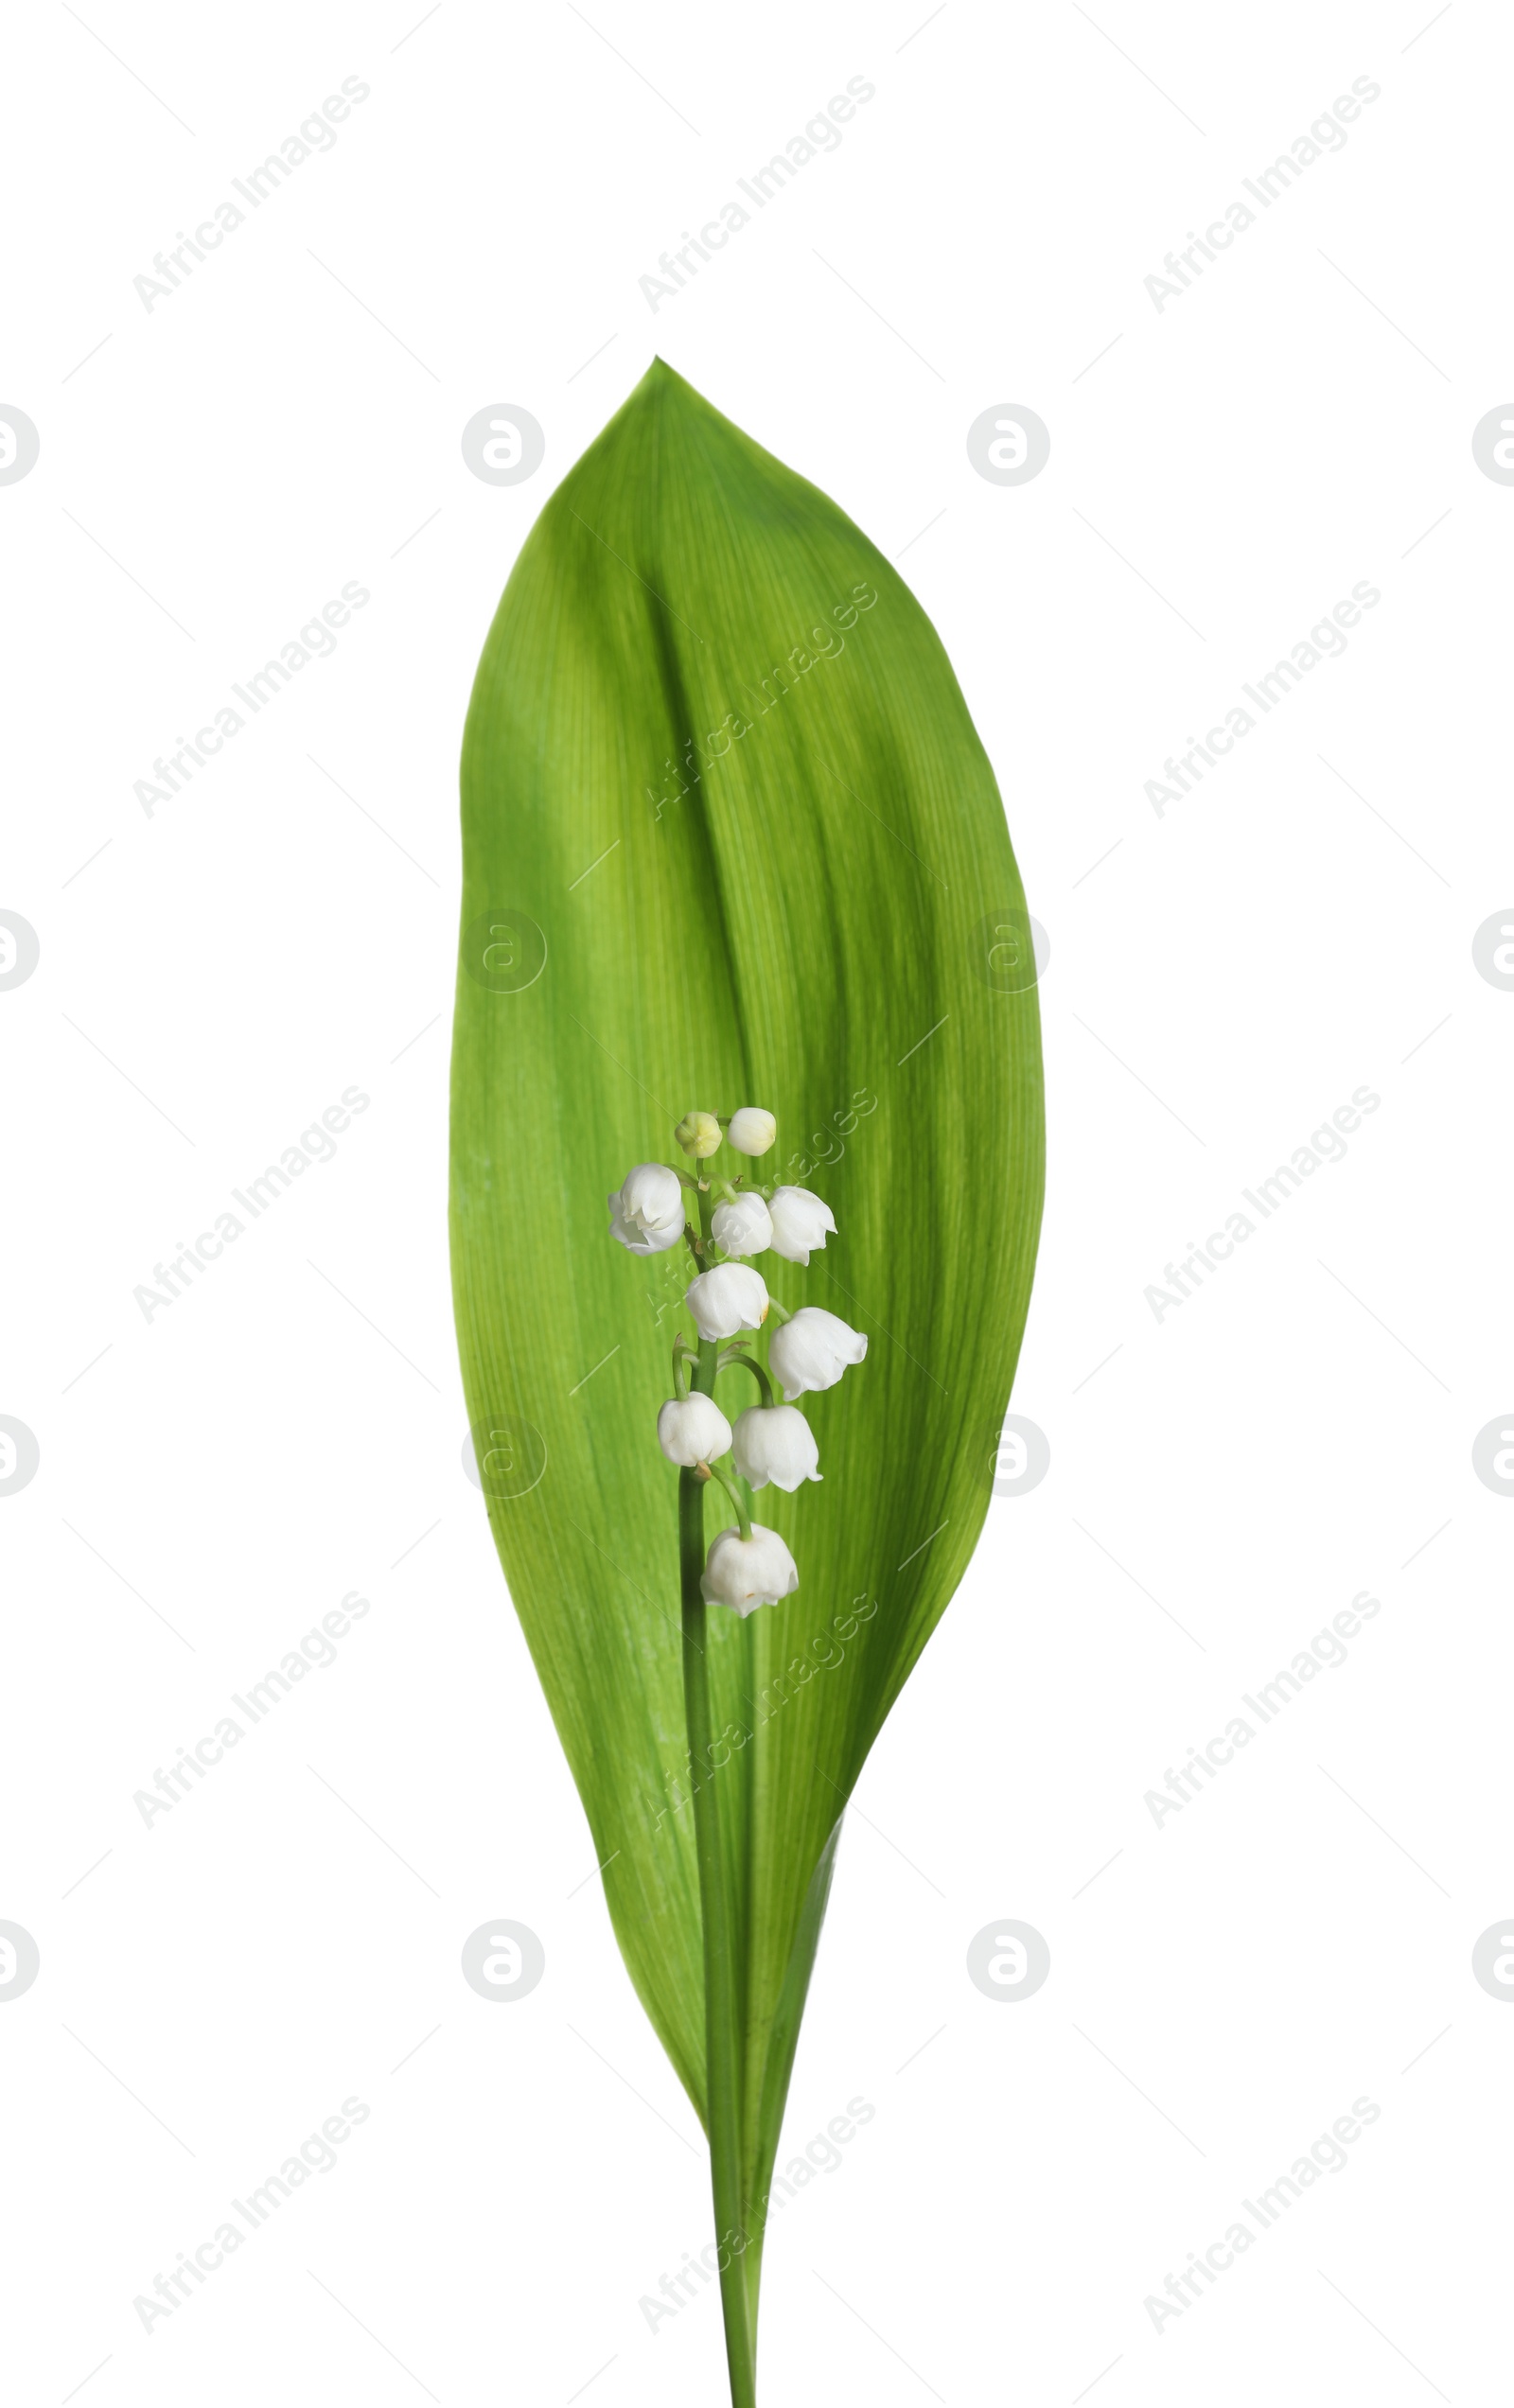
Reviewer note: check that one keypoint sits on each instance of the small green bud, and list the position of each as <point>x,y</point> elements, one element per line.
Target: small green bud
<point>698,1133</point>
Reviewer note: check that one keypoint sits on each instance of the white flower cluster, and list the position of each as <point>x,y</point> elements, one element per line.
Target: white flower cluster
<point>748,1566</point>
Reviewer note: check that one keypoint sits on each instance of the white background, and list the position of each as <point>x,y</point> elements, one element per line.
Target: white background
<point>1222,1481</point>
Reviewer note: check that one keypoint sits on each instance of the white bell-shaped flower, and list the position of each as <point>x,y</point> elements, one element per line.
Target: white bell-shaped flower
<point>743,1227</point>
<point>775,1443</point>
<point>800,1223</point>
<point>745,1573</point>
<point>692,1430</point>
<point>647,1213</point>
<point>727,1299</point>
<point>751,1129</point>
<point>813,1350</point>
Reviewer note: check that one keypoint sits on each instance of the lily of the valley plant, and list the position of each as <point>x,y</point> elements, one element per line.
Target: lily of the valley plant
<point>728,831</point>
<point>723,1221</point>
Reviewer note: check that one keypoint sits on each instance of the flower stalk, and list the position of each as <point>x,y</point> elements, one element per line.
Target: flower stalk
<point>738,1354</point>
<point>743,1567</point>
<point>722,2025</point>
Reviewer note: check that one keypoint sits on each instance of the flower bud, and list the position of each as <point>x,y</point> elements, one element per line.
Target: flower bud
<point>751,1130</point>
<point>698,1133</point>
<point>745,1573</point>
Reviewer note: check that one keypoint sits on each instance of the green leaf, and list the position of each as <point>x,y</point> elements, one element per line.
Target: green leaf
<point>827,923</point>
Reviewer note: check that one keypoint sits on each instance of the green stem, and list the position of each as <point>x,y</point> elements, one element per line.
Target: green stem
<point>749,1363</point>
<point>718,1471</point>
<point>722,2018</point>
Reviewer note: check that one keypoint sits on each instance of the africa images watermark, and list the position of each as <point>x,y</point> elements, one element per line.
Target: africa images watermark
<point>829,1651</point>
<point>1326,1144</point>
<point>821,134</point>
<point>1327,132</point>
<point>1328,1649</point>
<point>1327,2156</point>
<point>828,644</point>
<point>667,1276</point>
<point>316,640</point>
<point>316,1650</point>
<point>821,2155</point>
<point>316,2155</point>
<point>171,268</point>
<point>315,1144</point>
<point>1324,640</point>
